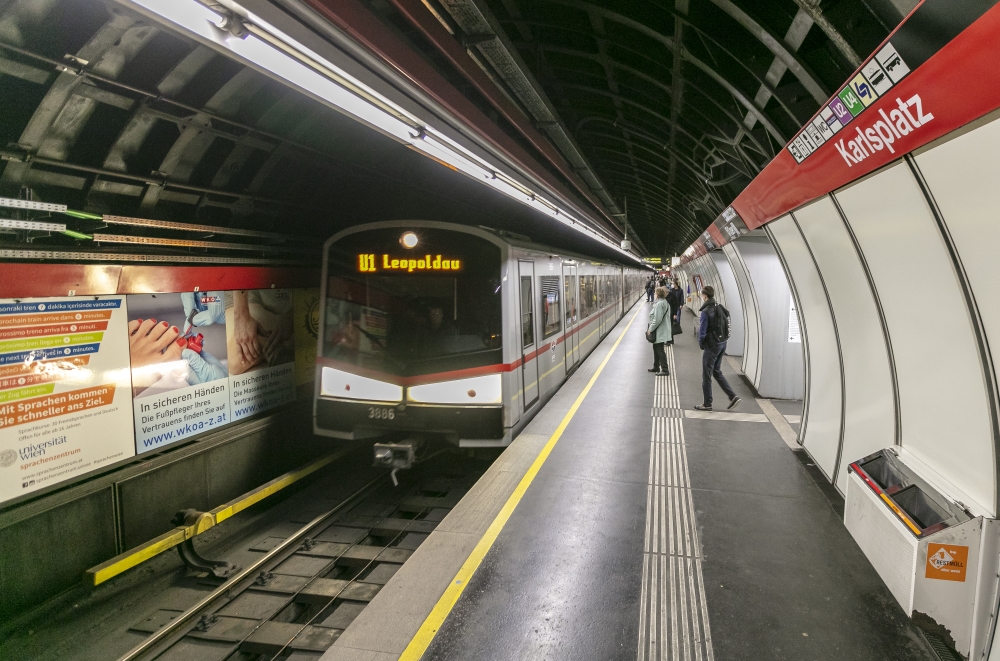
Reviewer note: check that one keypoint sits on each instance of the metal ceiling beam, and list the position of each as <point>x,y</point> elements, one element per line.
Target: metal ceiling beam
<point>357,21</point>
<point>613,159</point>
<point>794,36</point>
<point>649,111</point>
<point>654,140</point>
<point>798,68</point>
<point>51,131</point>
<point>475,19</point>
<point>597,25</point>
<point>687,56</point>
<point>811,7</point>
<point>655,83</point>
<point>648,164</point>
<point>677,94</point>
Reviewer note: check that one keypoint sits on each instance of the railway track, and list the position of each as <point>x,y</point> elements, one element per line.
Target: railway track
<point>305,589</point>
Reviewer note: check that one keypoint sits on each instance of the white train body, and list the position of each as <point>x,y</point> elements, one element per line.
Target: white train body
<point>465,334</point>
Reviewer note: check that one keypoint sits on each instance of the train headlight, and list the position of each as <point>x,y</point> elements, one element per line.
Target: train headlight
<point>335,383</point>
<point>409,240</point>
<point>481,390</point>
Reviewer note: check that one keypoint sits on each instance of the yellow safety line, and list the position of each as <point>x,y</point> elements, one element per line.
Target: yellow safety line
<point>136,556</point>
<point>422,639</point>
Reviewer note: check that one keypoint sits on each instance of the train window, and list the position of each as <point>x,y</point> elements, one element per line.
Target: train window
<point>588,295</point>
<point>382,315</point>
<point>570,285</point>
<point>527,318</point>
<point>551,322</point>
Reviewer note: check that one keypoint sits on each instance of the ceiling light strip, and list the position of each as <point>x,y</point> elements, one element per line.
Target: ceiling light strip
<point>272,51</point>
<point>190,227</point>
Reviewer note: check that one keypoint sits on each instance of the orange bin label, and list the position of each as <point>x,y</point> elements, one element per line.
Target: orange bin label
<point>947,562</point>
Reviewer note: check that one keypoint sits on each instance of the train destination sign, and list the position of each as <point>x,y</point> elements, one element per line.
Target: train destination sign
<point>372,263</point>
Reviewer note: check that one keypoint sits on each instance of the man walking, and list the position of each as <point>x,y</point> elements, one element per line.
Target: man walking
<point>713,332</point>
<point>650,288</point>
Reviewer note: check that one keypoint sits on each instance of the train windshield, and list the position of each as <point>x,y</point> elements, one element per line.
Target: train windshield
<point>413,302</point>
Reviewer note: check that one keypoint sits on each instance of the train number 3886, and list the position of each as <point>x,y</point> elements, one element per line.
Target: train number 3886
<point>381,413</point>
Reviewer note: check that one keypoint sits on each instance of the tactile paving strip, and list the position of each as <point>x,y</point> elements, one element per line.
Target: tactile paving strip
<point>673,615</point>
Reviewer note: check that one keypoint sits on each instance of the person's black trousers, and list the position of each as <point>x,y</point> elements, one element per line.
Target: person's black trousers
<point>660,357</point>
<point>711,366</point>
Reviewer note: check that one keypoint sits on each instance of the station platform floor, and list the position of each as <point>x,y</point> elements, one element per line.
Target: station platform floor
<point>621,524</point>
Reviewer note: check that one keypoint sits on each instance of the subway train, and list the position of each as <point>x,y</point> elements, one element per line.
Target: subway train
<point>438,330</point>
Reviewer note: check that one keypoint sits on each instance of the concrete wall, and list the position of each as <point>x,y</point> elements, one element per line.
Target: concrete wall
<point>47,543</point>
<point>898,272</point>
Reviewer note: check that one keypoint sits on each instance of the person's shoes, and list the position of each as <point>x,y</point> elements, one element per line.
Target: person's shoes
<point>733,402</point>
<point>663,373</point>
<point>699,407</point>
<point>653,369</point>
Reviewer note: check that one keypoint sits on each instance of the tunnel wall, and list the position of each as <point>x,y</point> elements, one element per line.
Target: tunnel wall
<point>776,367</point>
<point>90,513</point>
<point>47,544</point>
<point>869,412</point>
<point>899,265</point>
<point>822,411</point>
<point>751,316</point>
<point>750,281</point>
<point>733,302</point>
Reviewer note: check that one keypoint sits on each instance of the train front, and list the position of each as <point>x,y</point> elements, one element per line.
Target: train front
<point>411,335</point>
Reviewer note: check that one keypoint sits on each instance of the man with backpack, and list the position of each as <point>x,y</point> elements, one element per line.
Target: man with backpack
<point>713,333</point>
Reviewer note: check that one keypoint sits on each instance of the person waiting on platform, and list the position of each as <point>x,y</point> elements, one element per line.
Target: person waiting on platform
<point>675,298</point>
<point>713,332</point>
<point>660,327</point>
<point>650,288</point>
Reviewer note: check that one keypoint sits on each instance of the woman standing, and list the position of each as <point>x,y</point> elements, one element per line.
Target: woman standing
<point>660,328</point>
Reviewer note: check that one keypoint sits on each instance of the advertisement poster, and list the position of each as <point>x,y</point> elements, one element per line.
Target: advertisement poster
<point>65,403</point>
<point>261,348</point>
<point>306,333</point>
<point>179,360</point>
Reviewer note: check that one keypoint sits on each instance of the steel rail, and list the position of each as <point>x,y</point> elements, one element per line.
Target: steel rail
<point>185,618</point>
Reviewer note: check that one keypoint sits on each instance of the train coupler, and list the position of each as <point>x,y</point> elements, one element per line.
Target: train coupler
<point>396,456</point>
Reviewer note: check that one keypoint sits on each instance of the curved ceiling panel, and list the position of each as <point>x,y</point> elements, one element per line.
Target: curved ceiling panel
<point>674,106</point>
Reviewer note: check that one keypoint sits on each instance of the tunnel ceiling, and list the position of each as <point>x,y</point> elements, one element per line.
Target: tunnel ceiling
<point>674,105</point>
<point>111,113</point>
<point>666,110</point>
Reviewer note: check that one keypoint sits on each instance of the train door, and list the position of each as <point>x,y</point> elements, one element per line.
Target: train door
<point>602,298</point>
<point>529,364</point>
<point>572,337</point>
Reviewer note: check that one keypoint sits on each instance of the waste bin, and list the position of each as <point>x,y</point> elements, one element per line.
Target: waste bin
<point>937,558</point>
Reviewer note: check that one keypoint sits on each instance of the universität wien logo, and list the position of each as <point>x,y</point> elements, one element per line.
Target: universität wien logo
<point>7,458</point>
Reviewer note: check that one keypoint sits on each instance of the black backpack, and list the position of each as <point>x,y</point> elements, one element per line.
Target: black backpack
<point>718,324</point>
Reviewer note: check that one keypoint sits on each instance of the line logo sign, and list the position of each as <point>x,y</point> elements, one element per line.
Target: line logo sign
<point>876,78</point>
